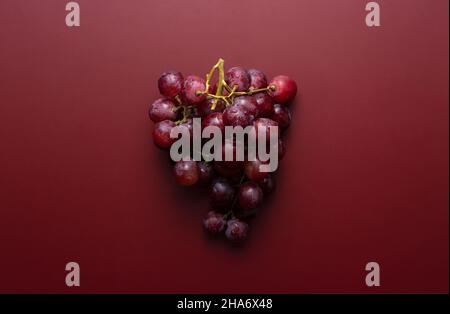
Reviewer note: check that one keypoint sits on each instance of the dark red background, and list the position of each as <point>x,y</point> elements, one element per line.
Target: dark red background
<point>365,177</point>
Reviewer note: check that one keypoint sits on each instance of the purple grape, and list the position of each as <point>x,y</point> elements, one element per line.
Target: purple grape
<point>162,109</point>
<point>206,173</point>
<point>257,79</point>
<point>170,84</point>
<point>264,104</point>
<point>236,231</point>
<point>283,89</point>
<point>250,197</point>
<point>221,194</point>
<point>193,88</point>
<point>186,172</point>
<point>214,119</point>
<point>204,108</point>
<point>238,76</point>
<point>237,116</point>
<point>281,115</point>
<point>214,223</point>
<point>264,124</point>
<point>248,103</point>
<point>252,170</point>
<point>267,184</point>
<point>161,134</point>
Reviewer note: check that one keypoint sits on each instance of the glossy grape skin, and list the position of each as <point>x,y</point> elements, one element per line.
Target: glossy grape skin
<point>162,109</point>
<point>232,174</point>
<point>204,108</point>
<point>193,85</point>
<point>267,184</point>
<point>261,111</point>
<point>237,230</point>
<point>214,119</point>
<point>214,223</point>
<point>161,134</point>
<point>268,124</point>
<point>282,89</point>
<point>238,76</point>
<point>282,115</point>
<point>250,197</point>
<point>206,173</point>
<point>248,103</point>
<point>252,170</point>
<point>257,79</point>
<point>264,103</point>
<point>237,116</point>
<point>186,172</point>
<point>221,194</point>
<point>170,84</point>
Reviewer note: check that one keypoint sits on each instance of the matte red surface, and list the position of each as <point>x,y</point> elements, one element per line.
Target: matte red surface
<point>365,177</point>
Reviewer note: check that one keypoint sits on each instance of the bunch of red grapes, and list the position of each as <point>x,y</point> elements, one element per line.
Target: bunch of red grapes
<point>242,98</point>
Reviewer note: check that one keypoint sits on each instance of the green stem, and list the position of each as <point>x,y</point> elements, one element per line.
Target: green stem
<point>186,115</point>
<point>222,85</point>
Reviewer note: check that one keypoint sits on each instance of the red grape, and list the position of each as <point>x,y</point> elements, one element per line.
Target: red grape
<point>193,88</point>
<point>161,134</point>
<point>214,119</point>
<point>237,230</point>
<point>170,84</point>
<point>238,76</point>
<point>252,170</point>
<point>186,172</point>
<point>214,223</point>
<point>206,173</point>
<point>162,109</point>
<point>281,115</point>
<point>257,79</point>
<point>221,194</point>
<point>283,89</point>
<point>237,116</point>
<point>267,184</point>
<point>248,104</point>
<point>250,197</point>
<point>264,104</point>
<point>235,187</point>
<point>264,123</point>
<point>204,108</point>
